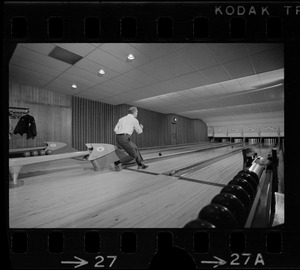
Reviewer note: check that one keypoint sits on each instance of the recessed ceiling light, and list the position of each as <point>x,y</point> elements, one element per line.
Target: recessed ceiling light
<point>130,57</point>
<point>74,86</point>
<point>101,72</point>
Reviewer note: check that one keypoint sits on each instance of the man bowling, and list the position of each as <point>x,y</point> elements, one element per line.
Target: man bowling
<point>124,128</point>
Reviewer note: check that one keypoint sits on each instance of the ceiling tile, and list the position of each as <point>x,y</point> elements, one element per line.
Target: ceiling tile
<point>112,86</point>
<point>86,75</point>
<point>227,52</point>
<point>93,67</point>
<point>232,86</point>
<point>216,74</point>
<point>215,89</point>
<point>199,56</point>
<point>41,59</point>
<point>254,48</point>
<point>107,60</point>
<point>22,72</point>
<point>64,86</point>
<point>81,49</point>
<point>122,50</point>
<point>96,44</point>
<point>27,80</point>
<point>156,50</point>
<point>100,93</point>
<point>26,64</point>
<point>127,83</point>
<point>141,77</point>
<point>268,61</point>
<point>239,68</point>
<point>81,83</point>
<point>104,88</point>
<point>43,48</point>
<point>194,79</point>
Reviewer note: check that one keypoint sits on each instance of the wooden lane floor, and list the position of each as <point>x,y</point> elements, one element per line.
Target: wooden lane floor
<point>164,165</point>
<point>179,148</point>
<point>83,198</point>
<point>173,150</point>
<point>221,172</point>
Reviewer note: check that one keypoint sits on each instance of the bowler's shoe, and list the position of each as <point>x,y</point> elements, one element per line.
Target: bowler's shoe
<point>143,166</point>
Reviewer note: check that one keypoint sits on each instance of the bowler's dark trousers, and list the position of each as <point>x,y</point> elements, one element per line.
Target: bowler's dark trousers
<point>124,141</point>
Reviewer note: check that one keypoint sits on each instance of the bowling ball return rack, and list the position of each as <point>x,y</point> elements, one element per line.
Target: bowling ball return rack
<point>263,171</point>
<point>95,154</point>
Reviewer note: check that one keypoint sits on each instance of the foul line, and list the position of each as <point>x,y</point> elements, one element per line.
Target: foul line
<point>201,181</point>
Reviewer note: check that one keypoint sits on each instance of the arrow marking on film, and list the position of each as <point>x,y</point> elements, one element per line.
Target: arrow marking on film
<point>79,263</point>
<point>218,262</point>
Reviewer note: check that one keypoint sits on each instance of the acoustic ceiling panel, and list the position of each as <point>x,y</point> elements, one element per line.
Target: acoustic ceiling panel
<point>64,55</point>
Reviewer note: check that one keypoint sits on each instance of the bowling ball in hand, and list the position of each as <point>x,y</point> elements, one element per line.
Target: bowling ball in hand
<point>49,152</point>
<point>34,153</point>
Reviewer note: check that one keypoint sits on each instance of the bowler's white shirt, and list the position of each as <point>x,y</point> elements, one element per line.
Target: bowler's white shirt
<point>128,124</point>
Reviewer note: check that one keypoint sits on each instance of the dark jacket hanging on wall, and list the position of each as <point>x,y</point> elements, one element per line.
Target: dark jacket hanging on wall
<point>26,125</point>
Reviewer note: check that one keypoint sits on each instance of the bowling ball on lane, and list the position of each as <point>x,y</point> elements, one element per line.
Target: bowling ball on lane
<point>199,224</point>
<point>219,216</point>
<point>233,204</point>
<point>34,153</point>
<point>248,178</point>
<point>49,152</point>
<point>42,152</point>
<point>26,154</point>
<point>245,185</point>
<point>159,154</point>
<point>240,193</point>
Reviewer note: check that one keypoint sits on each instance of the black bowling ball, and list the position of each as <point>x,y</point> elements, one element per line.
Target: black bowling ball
<point>219,215</point>
<point>248,178</point>
<point>253,174</point>
<point>233,204</point>
<point>199,224</point>
<point>240,193</point>
<point>245,185</point>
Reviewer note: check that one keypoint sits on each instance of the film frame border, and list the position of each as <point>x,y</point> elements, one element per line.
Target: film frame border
<point>182,30</point>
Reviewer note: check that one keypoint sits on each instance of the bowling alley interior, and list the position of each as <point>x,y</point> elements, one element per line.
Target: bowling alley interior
<point>212,137</point>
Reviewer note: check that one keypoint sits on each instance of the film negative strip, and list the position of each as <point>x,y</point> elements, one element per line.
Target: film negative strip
<point>165,22</point>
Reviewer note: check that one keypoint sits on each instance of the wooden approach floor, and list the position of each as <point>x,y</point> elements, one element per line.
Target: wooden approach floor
<point>70,194</point>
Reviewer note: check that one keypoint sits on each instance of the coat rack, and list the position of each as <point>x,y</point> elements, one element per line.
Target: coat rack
<point>17,112</point>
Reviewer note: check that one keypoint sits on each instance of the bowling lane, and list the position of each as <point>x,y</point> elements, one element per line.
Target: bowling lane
<point>87,199</point>
<point>171,148</point>
<point>169,151</point>
<point>221,172</point>
<point>162,166</point>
